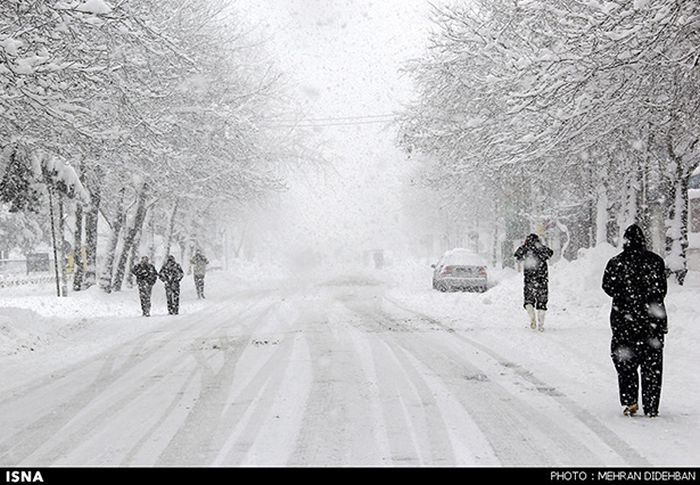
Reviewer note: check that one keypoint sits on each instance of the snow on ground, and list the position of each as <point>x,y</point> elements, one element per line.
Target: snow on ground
<point>32,317</point>
<point>573,352</point>
<point>344,367</point>
<point>41,331</point>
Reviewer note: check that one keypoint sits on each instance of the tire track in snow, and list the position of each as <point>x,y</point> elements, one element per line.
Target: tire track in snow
<point>502,428</point>
<point>405,413</point>
<point>605,434</point>
<point>337,427</point>
<point>441,449</point>
<point>263,428</point>
<point>224,417</point>
<point>535,435</point>
<point>51,426</point>
<point>162,327</point>
<point>56,377</point>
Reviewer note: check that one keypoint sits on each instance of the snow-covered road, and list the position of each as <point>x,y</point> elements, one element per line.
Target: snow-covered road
<point>334,373</point>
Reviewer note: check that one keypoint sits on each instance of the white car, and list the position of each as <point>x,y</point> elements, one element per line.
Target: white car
<point>460,269</point>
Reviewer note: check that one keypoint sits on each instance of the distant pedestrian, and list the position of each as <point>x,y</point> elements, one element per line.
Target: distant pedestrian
<point>171,273</point>
<point>534,256</point>
<point>199,270</point>
<point>146,276</point>
<point>636,281</point>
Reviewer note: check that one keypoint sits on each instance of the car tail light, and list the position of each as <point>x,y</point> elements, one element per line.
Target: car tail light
<point>482,271</point>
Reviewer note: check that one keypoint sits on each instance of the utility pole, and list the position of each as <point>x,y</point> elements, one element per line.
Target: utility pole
<point>53,237</point>
<point>61,229</point>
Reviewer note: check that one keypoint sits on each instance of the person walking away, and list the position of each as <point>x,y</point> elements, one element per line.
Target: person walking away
<point>534,256</point>
<point>146,276</point>
<point>199,262</point>
<point>171,273</point>
<point>636,281</point>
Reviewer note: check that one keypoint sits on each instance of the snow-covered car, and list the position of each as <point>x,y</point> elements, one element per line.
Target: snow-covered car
<point>460,269</point>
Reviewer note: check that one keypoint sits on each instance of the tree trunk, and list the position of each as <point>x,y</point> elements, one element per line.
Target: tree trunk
<point>601,218</point>
<point>133,257</point>
<point>77,248</point>
<point>152,235</point>
<point>629,209</point>
<point>677,229</point>
<point>62,242</point>
<point>120,217</point>
<point>171,231</point>
<point>129,239</point>
<point>182,244</point>
<point>91,223</point>
<point>643,202</point>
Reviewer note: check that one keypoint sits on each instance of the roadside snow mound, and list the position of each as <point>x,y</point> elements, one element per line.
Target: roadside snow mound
<point>21,330</point>
<point>579,281</point>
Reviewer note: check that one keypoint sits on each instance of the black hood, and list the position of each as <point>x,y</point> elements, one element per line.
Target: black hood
<point>532,239</point>
<point>634,239</point>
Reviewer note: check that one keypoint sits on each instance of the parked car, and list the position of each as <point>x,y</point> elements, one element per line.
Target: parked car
<point>460,269</point>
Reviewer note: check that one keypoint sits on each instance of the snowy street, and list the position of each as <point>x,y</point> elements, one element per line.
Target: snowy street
<point>341,371</point>
<point>358,233</point>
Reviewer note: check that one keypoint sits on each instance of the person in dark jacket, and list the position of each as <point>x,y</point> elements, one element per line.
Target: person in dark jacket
<point>534,256</point>
<point>636,281</point>
<point>146,276</point>
<point>199,262</point>
<point>171,273</point>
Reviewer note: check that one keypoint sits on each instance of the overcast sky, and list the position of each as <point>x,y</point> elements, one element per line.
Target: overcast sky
<point>343,59</point>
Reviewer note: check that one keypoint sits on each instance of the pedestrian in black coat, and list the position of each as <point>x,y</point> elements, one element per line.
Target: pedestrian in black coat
<point>146,276</point>
<point>636,281</point>
<point>171,273</point>
<point>534,256</point>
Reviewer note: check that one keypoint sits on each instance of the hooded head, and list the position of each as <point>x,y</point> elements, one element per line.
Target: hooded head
<point>171,259</point>
<point>634,239</point>
<point>532,239</point>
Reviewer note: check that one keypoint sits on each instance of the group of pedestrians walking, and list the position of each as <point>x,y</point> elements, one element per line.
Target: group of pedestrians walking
<point>170,274</point>
<point>636,281</point>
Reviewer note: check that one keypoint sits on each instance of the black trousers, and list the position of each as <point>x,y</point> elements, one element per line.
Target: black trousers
<point>172,295</point>
<point>145,296</point>
<point>535,293</point>
<point>631,356</point>
<point>199,285</point>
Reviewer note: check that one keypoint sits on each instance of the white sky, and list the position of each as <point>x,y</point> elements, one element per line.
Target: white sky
<point>343,57</point>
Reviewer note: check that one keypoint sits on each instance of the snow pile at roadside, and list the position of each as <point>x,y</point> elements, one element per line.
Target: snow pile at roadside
<point>580,281</point>
<point>21,330</point>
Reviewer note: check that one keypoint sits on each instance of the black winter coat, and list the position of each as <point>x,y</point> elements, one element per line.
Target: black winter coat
<point>636,281</point>
<point>534,256</point>
<point>145,274</point>
<point>171,273</point>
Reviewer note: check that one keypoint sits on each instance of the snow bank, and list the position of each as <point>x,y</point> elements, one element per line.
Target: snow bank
<point>21,330</point>
<point>579,282</point>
